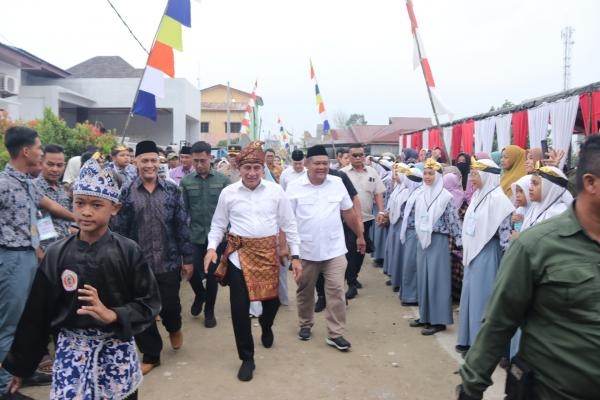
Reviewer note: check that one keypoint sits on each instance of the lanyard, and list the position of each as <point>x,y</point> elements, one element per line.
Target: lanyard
<point>546,209</point>
<point>483,198</point>
<point>433,201</point>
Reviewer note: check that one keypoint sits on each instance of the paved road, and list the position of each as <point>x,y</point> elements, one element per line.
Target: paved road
<point>388,359</point>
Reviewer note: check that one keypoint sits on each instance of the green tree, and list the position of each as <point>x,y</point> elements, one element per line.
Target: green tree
<point>53,129</point>
<point>356,119</point>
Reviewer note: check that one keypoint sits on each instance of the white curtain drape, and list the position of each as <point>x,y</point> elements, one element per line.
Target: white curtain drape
<point>503,130</point>
<point>484,135</point>
<point>538,124</point>
<point>447,136</point>
<point>562,116</point>
<point>408,141</point>
<point>426,139</point>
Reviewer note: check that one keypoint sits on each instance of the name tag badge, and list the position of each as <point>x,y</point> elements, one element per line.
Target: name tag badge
<point>469,225</point>
<point>424,223</point>
<point>46,229</point>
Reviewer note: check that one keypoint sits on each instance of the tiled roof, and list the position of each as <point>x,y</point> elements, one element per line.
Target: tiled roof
<point>29,62</point>
<point>105,67</point>
<point>368,134</point>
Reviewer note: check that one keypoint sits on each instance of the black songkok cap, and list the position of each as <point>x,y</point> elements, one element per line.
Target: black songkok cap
<point>146,146</point>
<point>317,150</point>
<point>185,150</point>
<point>297,155</point>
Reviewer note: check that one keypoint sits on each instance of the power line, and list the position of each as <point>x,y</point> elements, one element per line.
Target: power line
<point>127,26</point>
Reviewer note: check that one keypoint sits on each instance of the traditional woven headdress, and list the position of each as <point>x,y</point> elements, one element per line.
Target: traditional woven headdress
<point>93,181</point>
<point>401,168</point>
<point>431,163</point>
<point>415,174</point>
<point>480,166</point>
<point>253,153</point>
<point>553,174</point>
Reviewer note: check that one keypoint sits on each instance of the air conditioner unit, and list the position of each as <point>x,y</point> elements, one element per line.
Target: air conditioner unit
<point>8,85</point>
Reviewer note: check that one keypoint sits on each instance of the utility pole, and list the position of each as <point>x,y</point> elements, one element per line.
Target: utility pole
<point>566,35</point>
<point>228,128</point>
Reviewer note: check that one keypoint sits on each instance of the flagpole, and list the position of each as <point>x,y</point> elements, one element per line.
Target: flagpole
<point>437,121</point>
<point>137,91</point>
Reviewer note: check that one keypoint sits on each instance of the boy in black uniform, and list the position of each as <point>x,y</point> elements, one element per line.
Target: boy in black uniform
<point>97,291</point>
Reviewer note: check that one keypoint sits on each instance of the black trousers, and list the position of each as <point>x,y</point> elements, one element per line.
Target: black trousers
<point>240,307</point>
<point>355,259</point>
<point>149,341</point>
<point>209,295</point>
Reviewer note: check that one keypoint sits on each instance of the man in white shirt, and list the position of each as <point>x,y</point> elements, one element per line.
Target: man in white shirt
<point>294,171</point>
<point>257,210</point>
<point>317,200</point>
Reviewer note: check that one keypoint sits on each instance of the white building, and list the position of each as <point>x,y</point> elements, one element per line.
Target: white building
<point>100,90</point>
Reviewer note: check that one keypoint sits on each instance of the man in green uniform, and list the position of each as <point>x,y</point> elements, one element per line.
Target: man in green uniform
<point>549,285</point>
<point>201,190</point>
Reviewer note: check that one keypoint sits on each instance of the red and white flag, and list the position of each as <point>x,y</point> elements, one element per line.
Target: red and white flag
<point>420,58</point>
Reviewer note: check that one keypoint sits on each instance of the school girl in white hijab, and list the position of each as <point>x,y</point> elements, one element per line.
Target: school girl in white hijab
<point>485,235</point>
<point>549,195</point>
<point>436,218</point>
<point>393,248</point>
<point>408,241</point>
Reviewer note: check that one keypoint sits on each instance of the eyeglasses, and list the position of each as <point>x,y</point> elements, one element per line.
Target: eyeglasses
<point>357,155</point>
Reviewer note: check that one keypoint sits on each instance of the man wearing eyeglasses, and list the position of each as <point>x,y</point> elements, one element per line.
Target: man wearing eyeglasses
<point>370,190</point>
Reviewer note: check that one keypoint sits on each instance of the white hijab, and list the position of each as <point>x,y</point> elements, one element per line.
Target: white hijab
<point>429,207</point>
<point>524,183</point>
<point>417,187</point>
<point>488,208</point>
<point>555,200</point>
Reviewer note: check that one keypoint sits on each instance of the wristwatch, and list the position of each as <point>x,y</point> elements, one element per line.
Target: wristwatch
<point>295,257</point>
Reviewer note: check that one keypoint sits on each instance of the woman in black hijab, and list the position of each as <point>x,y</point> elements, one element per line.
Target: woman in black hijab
<point>463,163</point>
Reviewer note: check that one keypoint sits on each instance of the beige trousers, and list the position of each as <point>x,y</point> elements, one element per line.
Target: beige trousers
<point>335,313</point>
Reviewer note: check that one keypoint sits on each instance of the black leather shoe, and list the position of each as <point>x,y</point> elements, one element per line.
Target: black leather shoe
<point>196,308</point>
<point>209,320</point>
<point>388,282</point>
<point>462,349</point>
<point>304,333</point>
<point>416,323</point>
<point>246,370</point>
<point>409,303</point>
<point>433,329</point>
<point>267,337</point>
<point>320,304</point>
<point>358,284</point>
<point>351,292</point>
<point>38,379</point>
<point>396,289</point>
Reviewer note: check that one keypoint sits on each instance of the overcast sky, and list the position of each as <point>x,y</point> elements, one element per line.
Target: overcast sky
<point>481,51</point>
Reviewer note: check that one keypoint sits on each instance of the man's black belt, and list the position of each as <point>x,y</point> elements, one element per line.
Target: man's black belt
<point>19,248</point>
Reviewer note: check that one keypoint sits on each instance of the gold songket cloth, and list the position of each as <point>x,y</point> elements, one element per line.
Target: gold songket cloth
<point>259,262</point>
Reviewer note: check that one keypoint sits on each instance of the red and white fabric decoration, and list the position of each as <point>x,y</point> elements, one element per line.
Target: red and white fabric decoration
<point>538,124</point>
<point>484,135</point>
<point>562,116</point>
<point>503,129</point>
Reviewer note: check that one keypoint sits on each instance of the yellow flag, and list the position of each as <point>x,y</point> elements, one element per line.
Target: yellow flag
<point>169,33</point>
